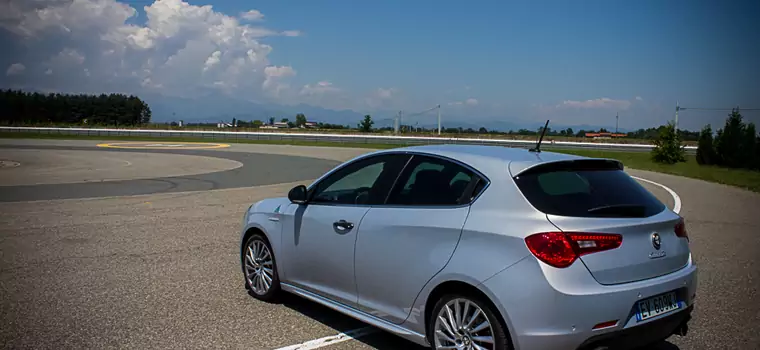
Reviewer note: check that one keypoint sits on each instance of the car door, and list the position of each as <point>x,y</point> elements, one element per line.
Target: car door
<point>320,235</point>
<point>404,243</point>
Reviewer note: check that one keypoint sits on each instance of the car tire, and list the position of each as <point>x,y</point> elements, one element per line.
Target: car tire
<point>263,270</point>
<point>495,330</point>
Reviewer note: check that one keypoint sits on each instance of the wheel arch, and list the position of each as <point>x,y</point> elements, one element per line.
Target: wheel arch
<point>250,231</point>
<point>467,289</point>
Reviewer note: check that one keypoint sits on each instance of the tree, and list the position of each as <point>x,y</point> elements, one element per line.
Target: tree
<point>271,120</point>
<point>257,123</point>
<point>300,120</point>
<point>366,124</point>
<point>729,145</point>
<point>705,148</point>
<point>18,107</point>
<point>668,148</point>
<point>749,145</point>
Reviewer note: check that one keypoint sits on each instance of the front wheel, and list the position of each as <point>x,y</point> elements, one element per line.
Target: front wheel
<point>466,322</point>
<point>260,268</point>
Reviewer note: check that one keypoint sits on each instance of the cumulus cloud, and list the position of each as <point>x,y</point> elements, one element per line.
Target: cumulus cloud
<point>597,103</point>
<point>181,49</point>
<point>16,68</point>
<point>252,15</point>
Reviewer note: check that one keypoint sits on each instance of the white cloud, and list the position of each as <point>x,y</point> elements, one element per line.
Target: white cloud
<point>212,60</point>
<point>381,98</point>
<point>638,98</point>
<point>181,49</point>
<point>597,103</point>
<point>16,68</point>
<point>467,102</point>
<point>252,15</point>
<point>273,85</point>
<point>320,88</point>
<point>291,33</point>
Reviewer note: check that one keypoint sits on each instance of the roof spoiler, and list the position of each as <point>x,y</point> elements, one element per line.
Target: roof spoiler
<point>573,164</point>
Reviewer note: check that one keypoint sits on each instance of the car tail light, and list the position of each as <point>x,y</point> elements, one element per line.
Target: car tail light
<point>681,229</point>
<point>561,249</point>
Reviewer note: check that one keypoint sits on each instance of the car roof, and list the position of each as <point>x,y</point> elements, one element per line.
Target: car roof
<point>483,157</point>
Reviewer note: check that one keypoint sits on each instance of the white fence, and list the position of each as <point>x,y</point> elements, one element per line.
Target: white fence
<point>337,138</point>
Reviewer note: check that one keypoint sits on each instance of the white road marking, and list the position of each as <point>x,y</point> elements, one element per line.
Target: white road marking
<point>333,339</point>
<point>676,198</point>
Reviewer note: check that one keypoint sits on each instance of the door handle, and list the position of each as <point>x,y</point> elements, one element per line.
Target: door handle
<point>342,226</point>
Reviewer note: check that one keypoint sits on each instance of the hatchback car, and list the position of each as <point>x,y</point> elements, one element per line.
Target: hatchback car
<point>479,247</point>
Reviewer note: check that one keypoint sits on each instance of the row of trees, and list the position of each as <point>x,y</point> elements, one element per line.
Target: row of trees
<point>29,108</point>
<point>736,145</point>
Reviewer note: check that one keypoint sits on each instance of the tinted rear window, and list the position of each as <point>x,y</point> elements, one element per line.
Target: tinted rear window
<point>588,193</point>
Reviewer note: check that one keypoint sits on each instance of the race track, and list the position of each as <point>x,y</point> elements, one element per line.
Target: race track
<point>95,255</point>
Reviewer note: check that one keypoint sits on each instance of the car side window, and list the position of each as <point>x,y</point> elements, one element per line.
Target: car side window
<point>429,181</point>
<point>364,182</point>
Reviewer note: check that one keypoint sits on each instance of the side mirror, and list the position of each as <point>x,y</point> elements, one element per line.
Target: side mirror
<point>298,194</point>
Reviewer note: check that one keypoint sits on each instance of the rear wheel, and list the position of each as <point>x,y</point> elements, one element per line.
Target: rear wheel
<point>465,322</point>
<point>260,269</point>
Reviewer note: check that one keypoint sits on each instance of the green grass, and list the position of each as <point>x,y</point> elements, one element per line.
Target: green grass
<point>636,160</point>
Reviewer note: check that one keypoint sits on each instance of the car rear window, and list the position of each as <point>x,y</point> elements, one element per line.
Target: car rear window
<point>587,192</point>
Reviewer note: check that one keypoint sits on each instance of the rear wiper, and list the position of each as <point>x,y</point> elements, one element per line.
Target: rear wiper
<point>619,209</point>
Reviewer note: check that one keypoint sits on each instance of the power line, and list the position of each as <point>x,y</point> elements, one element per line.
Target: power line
<point>719,109</point>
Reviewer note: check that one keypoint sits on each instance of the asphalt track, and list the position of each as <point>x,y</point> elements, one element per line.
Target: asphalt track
<point>152,262</point>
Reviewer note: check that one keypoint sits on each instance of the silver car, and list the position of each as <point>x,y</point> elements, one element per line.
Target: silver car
<point>479,247</point>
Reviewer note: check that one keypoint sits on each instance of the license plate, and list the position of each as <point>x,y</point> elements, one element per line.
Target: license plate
<point>657,305</point>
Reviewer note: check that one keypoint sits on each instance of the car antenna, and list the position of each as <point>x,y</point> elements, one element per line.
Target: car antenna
<point>538,144</point>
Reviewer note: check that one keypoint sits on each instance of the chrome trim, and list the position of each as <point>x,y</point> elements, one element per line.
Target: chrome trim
<point>356,314</point>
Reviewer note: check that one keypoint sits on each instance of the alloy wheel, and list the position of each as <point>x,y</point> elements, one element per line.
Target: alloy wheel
<point>462,325</point>
<point>258,266</point>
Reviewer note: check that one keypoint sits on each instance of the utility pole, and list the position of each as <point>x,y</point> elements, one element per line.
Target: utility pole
<point>439,119</point>
<point>676,121</point>
<point>397,122</point>
<point>617,119</point>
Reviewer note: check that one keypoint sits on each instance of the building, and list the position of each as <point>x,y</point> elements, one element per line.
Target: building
<point>604,135</point>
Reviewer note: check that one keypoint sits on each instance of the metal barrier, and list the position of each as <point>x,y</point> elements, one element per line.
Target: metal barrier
<point>336,138</point>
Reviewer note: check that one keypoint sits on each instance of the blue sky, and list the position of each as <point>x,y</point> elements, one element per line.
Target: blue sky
<point>521,60</point>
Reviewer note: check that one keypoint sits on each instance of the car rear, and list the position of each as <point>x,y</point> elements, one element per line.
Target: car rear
<point>617,269</point>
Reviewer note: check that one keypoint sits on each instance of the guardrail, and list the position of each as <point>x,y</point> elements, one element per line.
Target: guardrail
<point>337,138</point>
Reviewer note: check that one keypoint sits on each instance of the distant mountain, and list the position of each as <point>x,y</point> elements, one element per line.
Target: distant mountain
<point>218,107</point>
<point>214,108</point>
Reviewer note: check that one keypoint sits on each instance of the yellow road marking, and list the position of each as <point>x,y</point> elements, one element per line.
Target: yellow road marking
<point>164,145</point>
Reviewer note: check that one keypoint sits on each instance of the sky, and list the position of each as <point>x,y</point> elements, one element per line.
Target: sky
<point>571,62</point>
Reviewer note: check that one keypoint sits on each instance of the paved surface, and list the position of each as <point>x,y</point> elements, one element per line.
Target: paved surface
<point>161,270</point>
<point>68,166</point>
<point>251,169</point>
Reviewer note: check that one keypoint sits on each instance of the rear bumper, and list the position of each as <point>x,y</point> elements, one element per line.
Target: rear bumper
<point>640,336</point>
<point>548,308</point>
